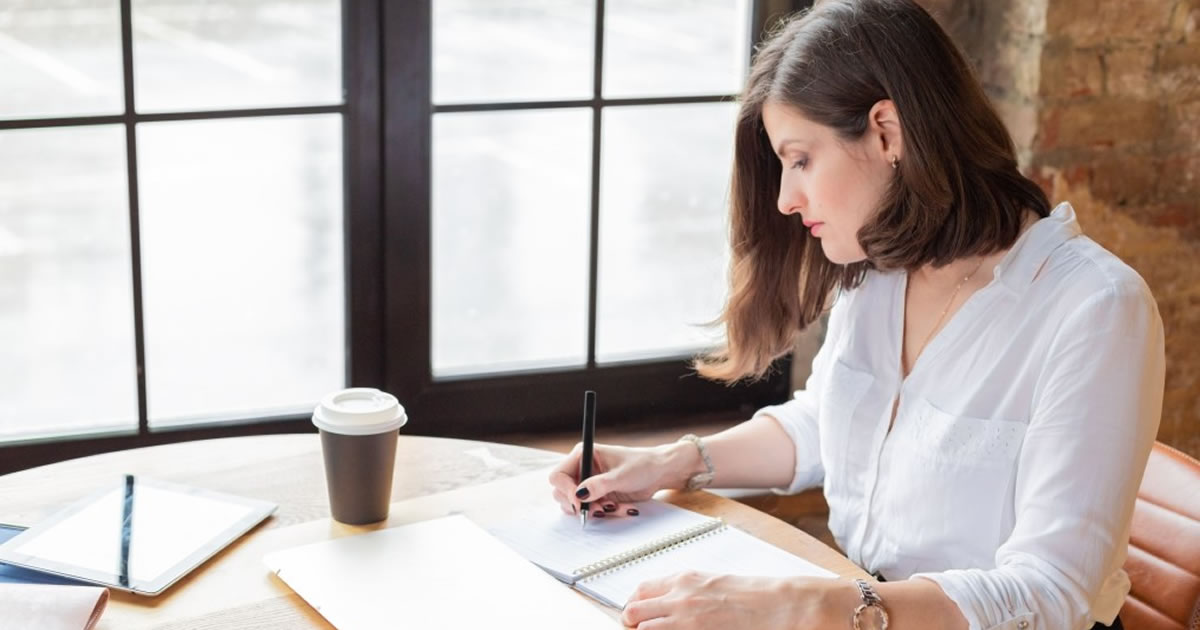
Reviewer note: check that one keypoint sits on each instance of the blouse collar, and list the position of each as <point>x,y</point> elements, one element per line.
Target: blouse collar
<point>1023,260</point>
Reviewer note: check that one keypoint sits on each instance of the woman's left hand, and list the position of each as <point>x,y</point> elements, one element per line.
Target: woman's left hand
<point>698,600</point>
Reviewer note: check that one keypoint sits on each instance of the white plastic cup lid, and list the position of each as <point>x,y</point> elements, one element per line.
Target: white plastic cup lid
<point>359,411</point>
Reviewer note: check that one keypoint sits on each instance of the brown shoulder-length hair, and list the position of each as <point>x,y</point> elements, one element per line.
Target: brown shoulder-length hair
<point>957,191</point>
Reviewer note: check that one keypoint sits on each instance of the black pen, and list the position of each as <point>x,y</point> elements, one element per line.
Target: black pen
<point>585,460</point>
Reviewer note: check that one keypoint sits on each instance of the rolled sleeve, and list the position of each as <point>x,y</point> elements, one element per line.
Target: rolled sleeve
<point>1096,412</point>
<point>798,417</point>
<point>1005,598</point>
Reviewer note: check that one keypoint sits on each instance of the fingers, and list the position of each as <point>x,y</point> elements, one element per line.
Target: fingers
<point>596,487</point>
<point>564,478</point>
<point>659,600</point>
<point>568,507</point>
<point>651,588</point>
<point>564,485</point>
<point>570,493</point>
<point>604,509</point>
<point>640,609</point>
<point>568,466</point>
<point>613,509</point>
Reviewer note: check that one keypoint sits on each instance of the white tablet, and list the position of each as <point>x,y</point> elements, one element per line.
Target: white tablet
<point>135,534</point>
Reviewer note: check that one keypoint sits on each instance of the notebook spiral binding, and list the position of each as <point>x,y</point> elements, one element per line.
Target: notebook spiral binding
<point>648,550</point>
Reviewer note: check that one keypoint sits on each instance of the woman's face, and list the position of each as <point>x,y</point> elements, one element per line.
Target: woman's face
<point>834,185</point>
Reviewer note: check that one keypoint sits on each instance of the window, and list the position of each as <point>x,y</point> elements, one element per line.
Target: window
<point>171,203</point>
<point>570,160</point>
<point>512,178</point>
<point>214,211</point>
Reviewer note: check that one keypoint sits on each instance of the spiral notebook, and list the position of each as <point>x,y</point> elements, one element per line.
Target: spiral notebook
<point>611,557</point>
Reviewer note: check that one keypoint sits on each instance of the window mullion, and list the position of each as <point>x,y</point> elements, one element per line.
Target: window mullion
<point>594,240</point>
<point>363,223</point>
<point>135,246</point>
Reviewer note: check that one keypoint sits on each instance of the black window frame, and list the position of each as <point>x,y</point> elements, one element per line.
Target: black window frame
<point>387,115</point>
<point>534,400</point>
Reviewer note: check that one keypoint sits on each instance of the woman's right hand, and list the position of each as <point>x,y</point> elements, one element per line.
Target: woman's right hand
<point>621,475</point>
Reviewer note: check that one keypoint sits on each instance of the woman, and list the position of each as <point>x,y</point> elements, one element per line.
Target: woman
<point>990,384</point>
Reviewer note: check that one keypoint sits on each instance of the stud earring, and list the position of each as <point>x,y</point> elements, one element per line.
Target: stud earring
<point>895,162</point>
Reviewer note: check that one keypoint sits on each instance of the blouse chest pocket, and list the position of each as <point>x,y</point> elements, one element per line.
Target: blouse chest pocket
<point>959,440</point>
<point>950,477</point>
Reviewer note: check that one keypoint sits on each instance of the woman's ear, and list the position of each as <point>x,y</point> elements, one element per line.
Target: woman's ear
<point>883,129</point>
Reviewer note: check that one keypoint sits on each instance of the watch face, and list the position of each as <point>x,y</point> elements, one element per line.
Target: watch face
<point>870,618</point>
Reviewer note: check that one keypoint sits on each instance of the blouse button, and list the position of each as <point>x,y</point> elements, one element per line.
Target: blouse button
<point>1022,624</point>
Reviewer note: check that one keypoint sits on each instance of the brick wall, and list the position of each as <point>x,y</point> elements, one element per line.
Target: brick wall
<point>1119,136</point>
<point>1103,100</point>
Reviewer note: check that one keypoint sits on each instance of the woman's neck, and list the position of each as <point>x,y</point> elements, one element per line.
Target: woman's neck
<point>950,275</point>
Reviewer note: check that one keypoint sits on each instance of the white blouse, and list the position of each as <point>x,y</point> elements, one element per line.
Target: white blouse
<point>1022,433</point>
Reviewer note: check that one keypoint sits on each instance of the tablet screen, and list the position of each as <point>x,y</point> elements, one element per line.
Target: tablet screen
<point>138,534</point>
<point>10,574</point>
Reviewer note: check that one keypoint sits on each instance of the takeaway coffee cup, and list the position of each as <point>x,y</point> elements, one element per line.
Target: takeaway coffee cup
<point>359,428</point>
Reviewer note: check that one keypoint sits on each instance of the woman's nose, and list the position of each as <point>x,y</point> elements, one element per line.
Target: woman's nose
<point>790,200</point>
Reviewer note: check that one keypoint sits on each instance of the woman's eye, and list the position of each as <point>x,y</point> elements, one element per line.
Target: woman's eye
<point>800,164</point>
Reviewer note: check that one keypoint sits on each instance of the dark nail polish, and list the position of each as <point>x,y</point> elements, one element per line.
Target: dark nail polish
<point>598,514</point>
<point>581,493</point>
<point>632,512</point>
<point>609,507</point>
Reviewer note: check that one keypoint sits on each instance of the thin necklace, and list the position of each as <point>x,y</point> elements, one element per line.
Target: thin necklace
<point>945,310</point>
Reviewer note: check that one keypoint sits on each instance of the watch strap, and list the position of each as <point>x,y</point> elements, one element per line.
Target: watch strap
<point>871,602</point>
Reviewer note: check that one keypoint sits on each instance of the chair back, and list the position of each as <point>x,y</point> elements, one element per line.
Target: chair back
<point>1164,545</point>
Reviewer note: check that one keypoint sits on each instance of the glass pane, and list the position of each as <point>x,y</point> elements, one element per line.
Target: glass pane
<point>663,228</point>
<point>241,265</point>
<point>512,50</point>
<point>66,290</point>
<point>511,197</point>
<point>60,58</point>
<point>229,54</point>
<point>655,48</point>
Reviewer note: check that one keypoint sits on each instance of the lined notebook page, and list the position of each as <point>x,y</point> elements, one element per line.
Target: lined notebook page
<point>555,542</point>
<point>728,551</point>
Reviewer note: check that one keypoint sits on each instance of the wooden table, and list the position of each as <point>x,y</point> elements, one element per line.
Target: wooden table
<point>433,476</point>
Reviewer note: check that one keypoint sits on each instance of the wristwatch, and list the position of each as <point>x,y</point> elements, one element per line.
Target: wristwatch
<point>871,608</point>
<point>704,479</point>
